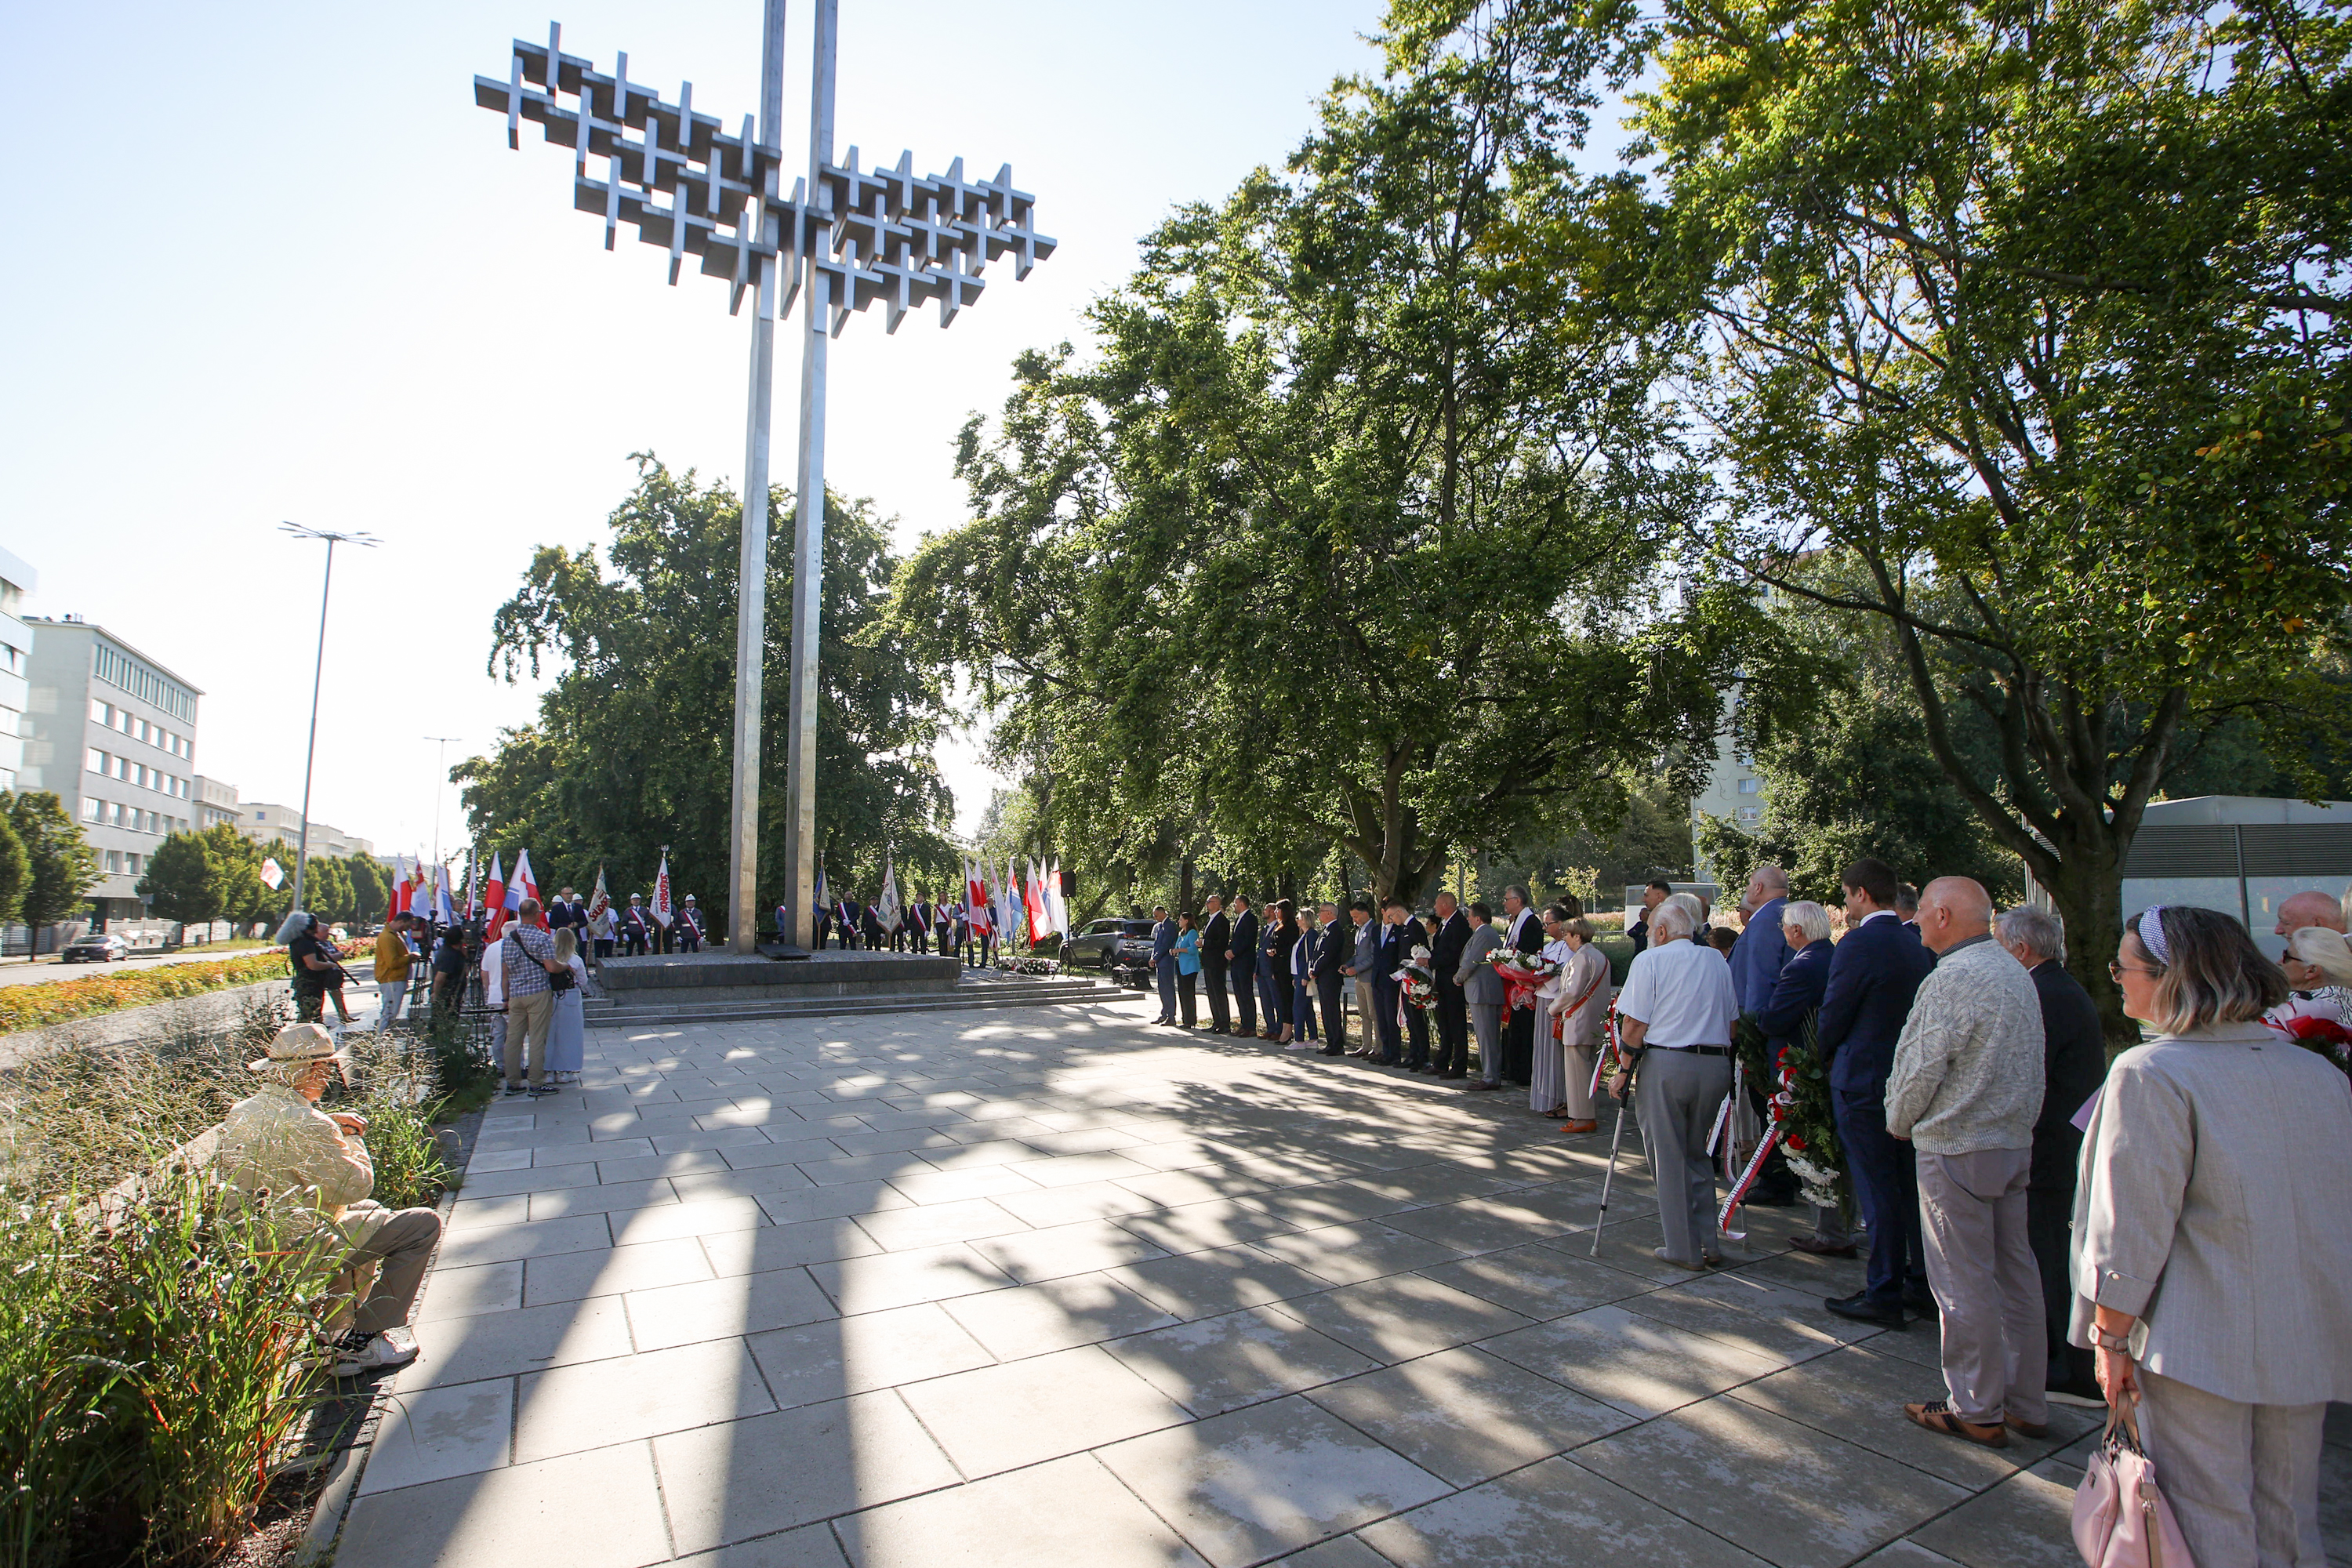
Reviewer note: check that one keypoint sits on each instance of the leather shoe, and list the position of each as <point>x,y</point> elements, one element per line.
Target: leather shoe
<point>1481,1085</point>
<point>1451,1074</point>
<point>1820,1249</point>
<point>1332,1051</point>
<point>1922,1304</point>
<point>1579,1124</point>
<point>1859,1309</point>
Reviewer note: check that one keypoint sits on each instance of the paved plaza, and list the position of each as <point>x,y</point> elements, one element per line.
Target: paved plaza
<point>1048,1287</point>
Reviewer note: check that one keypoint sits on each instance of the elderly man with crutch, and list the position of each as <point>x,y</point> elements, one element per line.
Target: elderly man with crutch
<point>1674,1019</point>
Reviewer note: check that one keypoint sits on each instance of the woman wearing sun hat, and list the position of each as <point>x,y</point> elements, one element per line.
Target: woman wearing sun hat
<point>313,1171</point>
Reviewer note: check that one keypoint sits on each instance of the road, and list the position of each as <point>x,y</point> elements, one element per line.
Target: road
<point>19,973</point>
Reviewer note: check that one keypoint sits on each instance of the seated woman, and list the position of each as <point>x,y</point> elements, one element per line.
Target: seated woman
<point>311,1168</point>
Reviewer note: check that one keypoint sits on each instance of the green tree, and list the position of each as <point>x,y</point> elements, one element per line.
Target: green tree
<point>184,880</point>
<point>372,888</point>
<point>1336,541</point>
<point>63,868</point>
<point>633,745</point>
<point>15,872</point>
<point>2077,448</point>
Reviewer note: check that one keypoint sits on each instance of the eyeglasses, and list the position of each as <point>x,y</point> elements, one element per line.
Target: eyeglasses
<point>2116,972</point>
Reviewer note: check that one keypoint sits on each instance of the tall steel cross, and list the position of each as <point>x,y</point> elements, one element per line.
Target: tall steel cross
<point>849,239</point>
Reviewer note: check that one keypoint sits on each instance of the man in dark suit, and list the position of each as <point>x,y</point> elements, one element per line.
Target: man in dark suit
<point>869,925</point>
<point>690,927</point>
<point>1453,1011</point>
<point>918,926</point>
<point>1241,960</point>
<point>1874,974</point>
<point>568,910</point>
<point>1523,931</point>
<point>844,919</point>
<point>1331,957</point>
<point>1654,895</point>
<point>1163,963</point>
<point>1216,940</point>
<point>1395,946</point>
<point>1795,996</point>
<point>2074,1065</point>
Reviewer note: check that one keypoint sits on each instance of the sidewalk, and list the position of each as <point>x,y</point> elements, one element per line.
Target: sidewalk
<point>1053,1288</point>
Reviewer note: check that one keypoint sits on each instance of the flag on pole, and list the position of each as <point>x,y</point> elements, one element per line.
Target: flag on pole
<point>524,886</point>
<point>820,903</point>
<point>1057,906</point>
<point>494,900</point>
<point>473,879</point>
<point>600,900</point>
<point>1032,902</point>
<point>1008,898</point>
<point>662,911</point>
<point>975,895</point>
<point>272,874</point>
<point>447,910</point>
<point>885,908</point>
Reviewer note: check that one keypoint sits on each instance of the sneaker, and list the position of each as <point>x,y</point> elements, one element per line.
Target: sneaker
<point>358,1355</point>
<point>542,1092</point>
<point>515,1089</point>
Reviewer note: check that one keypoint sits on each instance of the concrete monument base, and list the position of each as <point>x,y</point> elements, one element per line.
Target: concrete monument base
<point>693,977</point>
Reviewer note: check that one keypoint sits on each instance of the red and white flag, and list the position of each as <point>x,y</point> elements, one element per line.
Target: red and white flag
<point>600,900</point>
<point>1033,903</point>
<point>272,874</point>
<point>524,886</point>
<point>975,895</point>
<point>662,911</point>
<point>494,900</point>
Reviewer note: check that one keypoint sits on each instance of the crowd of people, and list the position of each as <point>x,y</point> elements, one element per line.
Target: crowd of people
<point>923,925</point>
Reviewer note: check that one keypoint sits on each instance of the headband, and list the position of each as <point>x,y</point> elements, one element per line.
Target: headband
<point>2151,935</point>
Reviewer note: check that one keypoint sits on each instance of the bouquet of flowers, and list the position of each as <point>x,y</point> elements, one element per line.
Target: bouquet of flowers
<point>1523,974</point>
<point>2323,1036</point>
<point>1420,980</point>
<point>1805,1126</point>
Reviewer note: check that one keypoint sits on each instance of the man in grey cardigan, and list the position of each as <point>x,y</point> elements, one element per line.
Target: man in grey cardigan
<point>1966,1089</point>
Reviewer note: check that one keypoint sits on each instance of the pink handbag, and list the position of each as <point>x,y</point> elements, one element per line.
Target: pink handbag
<point>2121,1520</point>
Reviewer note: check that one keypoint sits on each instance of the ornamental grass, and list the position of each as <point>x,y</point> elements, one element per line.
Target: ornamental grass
<point>158,1359</point>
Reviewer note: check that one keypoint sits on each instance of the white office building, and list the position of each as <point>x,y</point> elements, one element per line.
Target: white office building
<point>16,580</point>
<point>111,733</point>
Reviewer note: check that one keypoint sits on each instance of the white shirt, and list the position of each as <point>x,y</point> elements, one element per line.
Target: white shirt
<point>1512,940</point>
<point>1682,992</point>
<point>494,974</point>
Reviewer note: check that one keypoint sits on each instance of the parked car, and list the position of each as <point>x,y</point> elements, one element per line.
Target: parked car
<point>100,947</point>
<point>1121,949</point>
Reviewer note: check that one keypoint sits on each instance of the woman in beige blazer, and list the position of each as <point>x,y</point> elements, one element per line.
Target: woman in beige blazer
<point>2212,1244</point>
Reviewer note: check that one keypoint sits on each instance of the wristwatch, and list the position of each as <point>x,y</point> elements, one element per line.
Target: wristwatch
<point>2107,1342</point>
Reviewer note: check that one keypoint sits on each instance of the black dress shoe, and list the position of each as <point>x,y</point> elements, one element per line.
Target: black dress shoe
<point>1858,1308</point>
<point>1923,1304</point>
<point>1331,1051</point>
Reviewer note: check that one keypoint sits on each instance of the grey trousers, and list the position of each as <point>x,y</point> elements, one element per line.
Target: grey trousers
<point>1676,1095</point>
<point>2242,1480</point>
<point>1981,1266</point>
<point>1830,1228</point>
<point>1486,1021</point>
<point>400,1249</point>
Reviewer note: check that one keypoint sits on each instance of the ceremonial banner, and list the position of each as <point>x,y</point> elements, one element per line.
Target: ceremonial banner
<point>885,908</point>
<point>662,911</point>
<point>600,900</point>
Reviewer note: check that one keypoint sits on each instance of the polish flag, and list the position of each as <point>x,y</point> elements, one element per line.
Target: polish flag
<point>1032,902</point>
<point>525,886</point>
<point>494,900</point>
<point>975,895</point>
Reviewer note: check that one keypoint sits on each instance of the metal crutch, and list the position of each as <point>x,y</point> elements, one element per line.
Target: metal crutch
<point>1616,1139</point>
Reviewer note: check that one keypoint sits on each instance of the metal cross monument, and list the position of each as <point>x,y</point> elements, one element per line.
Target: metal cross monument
<point>849,239</point>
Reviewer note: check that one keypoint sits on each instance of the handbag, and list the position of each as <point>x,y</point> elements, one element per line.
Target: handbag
<point>2121,1520</point>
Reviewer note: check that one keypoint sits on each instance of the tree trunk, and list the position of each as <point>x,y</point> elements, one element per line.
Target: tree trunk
<point>1184,899</point>
<point>2088,891</point>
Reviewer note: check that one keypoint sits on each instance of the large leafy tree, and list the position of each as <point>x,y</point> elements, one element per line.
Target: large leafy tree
<point>63,867</point>
<point>184,880</point>
<point>15,872</point>
<point>632,747</point>
<point>2014,330</point>
<point>1337,538</point>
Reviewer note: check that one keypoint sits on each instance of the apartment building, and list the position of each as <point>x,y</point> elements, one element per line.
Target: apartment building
<point>215,803</point>
<point>16,580</point>
<point>267,824</point>
<point>114,734</point>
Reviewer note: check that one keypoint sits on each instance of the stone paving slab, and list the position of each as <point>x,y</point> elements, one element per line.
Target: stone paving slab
<point>1037,1289</point>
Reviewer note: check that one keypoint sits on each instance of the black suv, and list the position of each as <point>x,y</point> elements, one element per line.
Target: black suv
<point>1121,949</point>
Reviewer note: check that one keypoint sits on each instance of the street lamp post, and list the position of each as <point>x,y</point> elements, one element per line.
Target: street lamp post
<point>440,781</point>
<point>318,679</point>
<point>852,238</point>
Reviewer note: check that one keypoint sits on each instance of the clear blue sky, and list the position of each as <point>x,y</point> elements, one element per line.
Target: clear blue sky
<point>268,261</point>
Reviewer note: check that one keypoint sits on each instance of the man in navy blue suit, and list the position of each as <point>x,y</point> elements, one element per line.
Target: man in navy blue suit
<point>1796,997</point>
<point>1874,974</point>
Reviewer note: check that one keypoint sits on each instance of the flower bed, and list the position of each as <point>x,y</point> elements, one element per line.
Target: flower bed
<point>62,1001</point>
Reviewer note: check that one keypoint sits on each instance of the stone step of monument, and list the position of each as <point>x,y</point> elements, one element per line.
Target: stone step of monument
<point>603,1012</point>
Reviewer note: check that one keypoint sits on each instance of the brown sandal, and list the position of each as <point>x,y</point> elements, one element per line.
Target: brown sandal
<point>1937,1416</point>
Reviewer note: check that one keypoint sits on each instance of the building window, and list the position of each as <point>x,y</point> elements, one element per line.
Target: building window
<point>1751,787</point>
<point>92,810</point>
<point>100,712</point>
<point>132,861</point>
<point>94,760</point>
